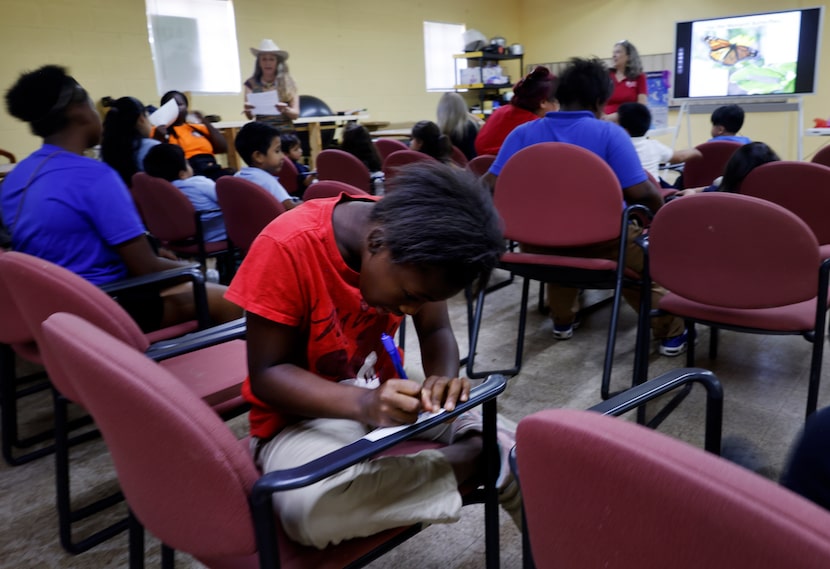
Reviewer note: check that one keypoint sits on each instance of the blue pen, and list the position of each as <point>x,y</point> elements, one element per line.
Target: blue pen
<point>392,350</point>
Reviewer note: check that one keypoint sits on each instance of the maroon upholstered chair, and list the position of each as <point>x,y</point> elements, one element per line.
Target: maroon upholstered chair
<point>481,164</point>
<point>741,263</point>
<point>603,492</point>
<point>334,164</point>
<point>801,187</point>
<point>702,171</point>
<point>19,446</point>
<point>557,195</point>
<point>173,220</point>
<point>822,156</point>
<point>288,177</point>
<point>212,363</point>
<point>665,192</point>
<point>458,156</point>
<point>201,502</point>
<point>387,146</point>
<point>399,159</point>
<point>16,340</point>
<point>330,189</point>
<point>247,208</point>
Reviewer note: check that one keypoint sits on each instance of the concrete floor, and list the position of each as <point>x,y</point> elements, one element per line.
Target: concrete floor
<point>764,378</point>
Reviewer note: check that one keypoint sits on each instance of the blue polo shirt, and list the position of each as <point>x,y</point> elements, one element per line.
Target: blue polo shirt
<point>731,138</point>
<point>266,180</point>
<point>74,213</point>
<point>581,128</point>
<point>201,192</point>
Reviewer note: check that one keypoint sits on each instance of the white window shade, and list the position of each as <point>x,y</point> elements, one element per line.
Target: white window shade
<point>194,45</point>
<point>441,41</point>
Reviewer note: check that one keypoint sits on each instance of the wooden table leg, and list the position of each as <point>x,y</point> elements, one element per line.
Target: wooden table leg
<point>230,136</point>
<point>315,142</point>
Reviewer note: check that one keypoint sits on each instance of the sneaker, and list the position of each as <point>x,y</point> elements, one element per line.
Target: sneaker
<point>675,345</point>
<point>565,331</point>
<point>510,497</point>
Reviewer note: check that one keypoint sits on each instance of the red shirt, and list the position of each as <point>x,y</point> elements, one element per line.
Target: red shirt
<point>295,275</point>
<point>625,91</point>
<point>501,123</point>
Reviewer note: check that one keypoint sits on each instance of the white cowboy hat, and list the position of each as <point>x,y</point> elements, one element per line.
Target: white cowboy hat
<point>268,46</point>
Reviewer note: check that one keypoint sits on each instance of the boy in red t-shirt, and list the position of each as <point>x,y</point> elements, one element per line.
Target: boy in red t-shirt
<point>320,285</point>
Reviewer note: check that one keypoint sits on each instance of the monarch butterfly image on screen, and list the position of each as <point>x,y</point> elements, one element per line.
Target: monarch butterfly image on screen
<point>727,53</point>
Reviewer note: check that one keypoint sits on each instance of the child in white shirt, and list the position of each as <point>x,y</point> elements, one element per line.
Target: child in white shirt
<point>635,118</point>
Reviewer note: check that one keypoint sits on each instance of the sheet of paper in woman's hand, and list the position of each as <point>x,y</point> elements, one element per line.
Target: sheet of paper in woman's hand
<point>264,103</point>
<point>166,114</point>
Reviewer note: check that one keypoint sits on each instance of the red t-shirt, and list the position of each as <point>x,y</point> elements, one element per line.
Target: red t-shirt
<point>625,91</point>
<point>501,123</point>
<point>295,275</point>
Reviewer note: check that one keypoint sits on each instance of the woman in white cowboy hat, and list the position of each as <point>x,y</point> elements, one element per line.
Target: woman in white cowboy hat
<point>271,74</point>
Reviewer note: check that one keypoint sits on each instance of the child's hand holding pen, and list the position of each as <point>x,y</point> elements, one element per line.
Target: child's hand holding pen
<point>394,403</point>
<point>437,392</point>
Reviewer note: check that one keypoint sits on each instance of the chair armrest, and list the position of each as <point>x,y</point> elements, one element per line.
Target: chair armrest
<point>177,274</point>
<point>172,276</point>
<point>166,349</point>
<point>641,394</point>
<point>637,212</point>
<point>358,451</point>
<point>362,449</point>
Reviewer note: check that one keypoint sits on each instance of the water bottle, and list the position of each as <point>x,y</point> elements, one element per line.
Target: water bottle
<point>212,276</point>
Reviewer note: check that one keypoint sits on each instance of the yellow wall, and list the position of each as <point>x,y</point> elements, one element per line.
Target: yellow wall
<point>362,53</point>
<point>350,53</point>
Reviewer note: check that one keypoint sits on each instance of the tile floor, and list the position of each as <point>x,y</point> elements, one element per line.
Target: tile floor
<point>764,380</point>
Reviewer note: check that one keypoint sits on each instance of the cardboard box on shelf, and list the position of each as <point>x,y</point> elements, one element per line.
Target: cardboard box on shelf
<point>469,76</point>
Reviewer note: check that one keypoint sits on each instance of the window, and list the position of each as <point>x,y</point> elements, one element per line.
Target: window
<point>441,41</point>
<point>194,45</point>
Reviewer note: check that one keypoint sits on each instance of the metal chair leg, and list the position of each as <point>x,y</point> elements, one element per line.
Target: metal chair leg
<point>11,391</point>
<point>479,309</point>
<point>66,515</point>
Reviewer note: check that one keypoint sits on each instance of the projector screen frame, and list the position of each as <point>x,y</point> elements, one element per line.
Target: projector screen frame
<point>806,78</point>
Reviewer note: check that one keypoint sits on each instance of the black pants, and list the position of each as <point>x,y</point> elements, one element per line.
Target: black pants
<point>206,165</point>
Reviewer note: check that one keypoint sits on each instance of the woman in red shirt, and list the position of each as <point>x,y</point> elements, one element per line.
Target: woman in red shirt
<point>628,77</point>
<point>533,96</point>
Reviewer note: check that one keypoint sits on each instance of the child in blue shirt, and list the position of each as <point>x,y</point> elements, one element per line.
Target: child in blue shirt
<point>293,150</point>
<point>726,122</point>
<point>167,161</point>
<point>259,146</point>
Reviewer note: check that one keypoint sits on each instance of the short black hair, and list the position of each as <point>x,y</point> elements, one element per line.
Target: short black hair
<point>743,161</point>
<point>41,97</point>
<point>165,161</point>
<point>254,137</point>
<point>288,141</point>
<point>635,118</point>
<point>585,83</point>
<point>730,117</point>
<point>170,94</point>
<point>441,217</point>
